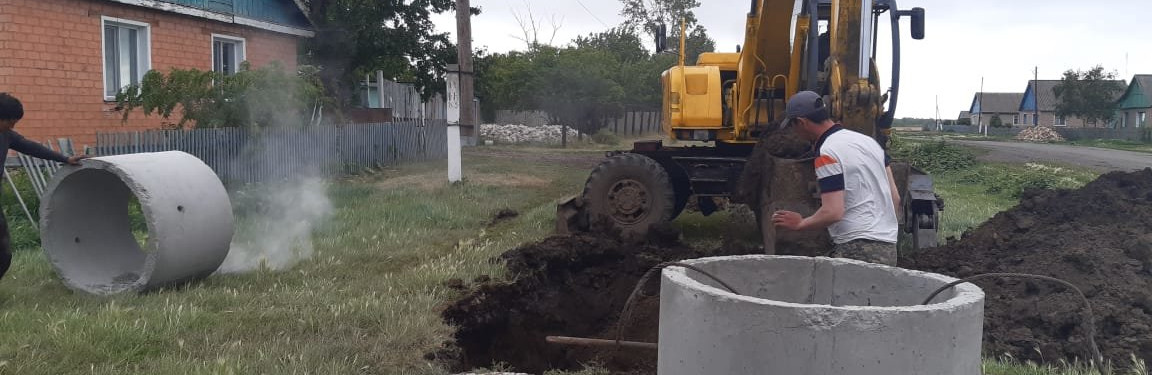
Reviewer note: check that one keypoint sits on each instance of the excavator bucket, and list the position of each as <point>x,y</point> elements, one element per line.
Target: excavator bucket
<point>571,217</point>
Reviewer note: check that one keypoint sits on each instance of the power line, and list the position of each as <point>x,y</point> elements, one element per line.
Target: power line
<point>590,13</point>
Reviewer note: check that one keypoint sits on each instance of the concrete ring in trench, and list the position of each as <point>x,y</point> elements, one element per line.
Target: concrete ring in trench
<point>86,232</point>
<point>810,316</point>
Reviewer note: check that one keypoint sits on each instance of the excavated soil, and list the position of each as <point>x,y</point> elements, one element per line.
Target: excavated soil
<point>564,286</point>
<point>1098,237</point>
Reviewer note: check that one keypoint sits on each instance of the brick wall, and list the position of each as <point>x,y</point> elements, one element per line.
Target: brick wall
<point>52,61</point>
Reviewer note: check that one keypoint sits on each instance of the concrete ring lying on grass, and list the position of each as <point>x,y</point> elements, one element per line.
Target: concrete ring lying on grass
<point>86,232</point>
<point>808,316</point>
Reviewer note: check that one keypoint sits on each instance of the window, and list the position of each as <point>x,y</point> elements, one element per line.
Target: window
<point>1026,120</point>
<point>227,54</point>
<point>1059,120</point>
<point>127,54</point>
<point>1141,119</point>
<point>1016,119</point>
<point>1124,120</point>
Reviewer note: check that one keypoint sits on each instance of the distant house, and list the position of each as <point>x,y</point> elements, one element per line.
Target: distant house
<point>1133,107</point>
<point>67,59</point>
<point>989,105</point>
<point>964,118</point>
<point>1046,99</point>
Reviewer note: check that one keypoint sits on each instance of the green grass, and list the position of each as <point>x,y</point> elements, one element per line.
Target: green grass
<point>365,303</point>
<point>1115,144</point>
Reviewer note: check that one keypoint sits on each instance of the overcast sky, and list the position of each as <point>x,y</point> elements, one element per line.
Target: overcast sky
<point>1000,41</point>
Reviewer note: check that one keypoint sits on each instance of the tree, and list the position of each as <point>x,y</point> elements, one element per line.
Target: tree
<point>644,16</point>
<point>357,37</point>
<point>250,98</point>
<point>1090,95</point>
<point>579,88</point>
<point>996,122</point>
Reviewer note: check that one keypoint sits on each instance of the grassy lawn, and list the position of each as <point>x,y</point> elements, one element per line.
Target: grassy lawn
<point>1115,144</point>
<point>367,301</point>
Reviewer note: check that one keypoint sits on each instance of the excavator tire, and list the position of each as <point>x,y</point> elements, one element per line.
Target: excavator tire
<point>631,192</point>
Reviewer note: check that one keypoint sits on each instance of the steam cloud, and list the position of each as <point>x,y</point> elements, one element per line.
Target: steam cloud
<point>294,203</point>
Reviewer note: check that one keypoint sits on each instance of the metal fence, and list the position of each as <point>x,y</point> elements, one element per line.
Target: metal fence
<point>240,155</point>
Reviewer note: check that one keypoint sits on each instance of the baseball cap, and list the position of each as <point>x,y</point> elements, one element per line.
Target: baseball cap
<point>803,104</point>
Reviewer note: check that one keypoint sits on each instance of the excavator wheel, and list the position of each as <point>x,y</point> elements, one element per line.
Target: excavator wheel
<point>631,192</point>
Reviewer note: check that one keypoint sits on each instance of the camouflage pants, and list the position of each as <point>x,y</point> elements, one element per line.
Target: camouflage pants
<point>867,250</point>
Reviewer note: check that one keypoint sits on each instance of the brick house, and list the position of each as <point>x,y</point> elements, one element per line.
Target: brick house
<point>67,59</point>
<point>1047,102</point>
<point>988,105</point>
<point>1134,106</point>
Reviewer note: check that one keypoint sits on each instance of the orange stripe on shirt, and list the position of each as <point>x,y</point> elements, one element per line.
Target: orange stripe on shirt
<point>824,160</point>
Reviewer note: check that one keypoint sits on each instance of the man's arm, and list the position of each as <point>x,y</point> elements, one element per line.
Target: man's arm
<point>831,211</point>
<point>23,145</point>
<point>895,194</point>
<point>831,179</point>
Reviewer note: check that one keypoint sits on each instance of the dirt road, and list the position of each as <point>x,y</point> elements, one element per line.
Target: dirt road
<point>1100,159</point>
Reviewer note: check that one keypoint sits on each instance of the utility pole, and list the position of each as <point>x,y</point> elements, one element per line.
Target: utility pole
<point>980,114</point>
<point>939,126</point>
<point>1036,96</point>
<point>464,51</point>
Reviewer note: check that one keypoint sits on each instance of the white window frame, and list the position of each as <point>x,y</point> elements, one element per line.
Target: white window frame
<point>1059,121</point>
<point>242,52</point>
<point>144,51</point>
<point>1141,119</point>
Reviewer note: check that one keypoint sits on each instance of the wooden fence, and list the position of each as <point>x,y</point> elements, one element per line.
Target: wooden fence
<point>635,123</point>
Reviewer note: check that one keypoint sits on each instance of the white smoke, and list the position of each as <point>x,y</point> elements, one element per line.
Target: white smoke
<point>290,206</point>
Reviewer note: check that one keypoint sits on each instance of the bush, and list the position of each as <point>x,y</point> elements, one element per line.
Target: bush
<point>932,157</point>
<point>996,122</point>
<point>605,137</point>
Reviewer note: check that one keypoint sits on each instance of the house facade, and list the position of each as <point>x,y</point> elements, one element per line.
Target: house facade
<point>1134,106</point>
<point>1042,94</point>
<point>989,106</point>
<point>67,59</point>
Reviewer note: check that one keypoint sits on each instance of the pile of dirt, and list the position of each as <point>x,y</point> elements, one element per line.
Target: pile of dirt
<point>564,286</point>
<point>1098,238</point>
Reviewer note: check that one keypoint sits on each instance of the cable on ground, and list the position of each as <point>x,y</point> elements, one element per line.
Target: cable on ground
<point>626,313</point>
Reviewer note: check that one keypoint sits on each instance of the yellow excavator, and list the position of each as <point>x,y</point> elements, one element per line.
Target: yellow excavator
<point>730,105</point>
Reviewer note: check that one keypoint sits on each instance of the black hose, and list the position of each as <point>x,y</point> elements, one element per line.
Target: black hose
<point>1089,328</point>
<point>625,314</point>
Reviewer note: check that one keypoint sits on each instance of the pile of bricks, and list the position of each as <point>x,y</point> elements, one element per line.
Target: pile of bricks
<point>1039,134</point>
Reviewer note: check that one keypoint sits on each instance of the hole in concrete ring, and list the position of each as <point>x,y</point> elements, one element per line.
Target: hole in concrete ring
<point>180,208</point>
<point>96,205</point>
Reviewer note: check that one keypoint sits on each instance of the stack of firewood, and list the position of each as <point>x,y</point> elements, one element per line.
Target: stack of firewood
<point>1039,134</point>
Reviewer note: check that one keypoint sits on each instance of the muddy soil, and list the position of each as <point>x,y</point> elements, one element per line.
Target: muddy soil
<point>1099,238</point>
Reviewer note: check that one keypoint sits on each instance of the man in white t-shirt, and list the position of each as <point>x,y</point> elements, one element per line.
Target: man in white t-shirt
<point>858,196</point>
